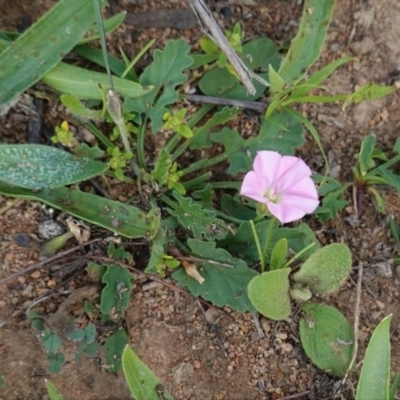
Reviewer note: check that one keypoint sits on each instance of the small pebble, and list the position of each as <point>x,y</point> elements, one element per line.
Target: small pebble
<point>384,269</point>
<point>265,325</point>
<point>51,283</point>
<point>376,315</point>
<point>49,229</point>
<point>23,240</point>
<point>35,274</point>
<point>380,304</point>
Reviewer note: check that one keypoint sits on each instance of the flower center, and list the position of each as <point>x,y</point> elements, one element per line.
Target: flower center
<point>272,195</point>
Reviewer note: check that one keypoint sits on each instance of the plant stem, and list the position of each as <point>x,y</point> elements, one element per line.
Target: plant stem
<point>227,217</point>
<point>272,224</point>
<point>140,144</point>
<point>258,245</point>
<point>196,181</point>
<point>98,134</point>
<point>297,255</point>
<point>204,164</point>
<point>225,185</point>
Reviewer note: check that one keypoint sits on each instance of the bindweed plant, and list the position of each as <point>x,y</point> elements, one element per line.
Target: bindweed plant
<point>109,308</point>
<point>178,208</point>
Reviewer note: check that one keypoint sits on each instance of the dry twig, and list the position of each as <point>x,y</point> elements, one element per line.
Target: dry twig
<point>212,30</point>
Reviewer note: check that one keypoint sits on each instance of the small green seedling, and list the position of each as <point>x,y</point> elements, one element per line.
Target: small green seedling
<point>373,169</point>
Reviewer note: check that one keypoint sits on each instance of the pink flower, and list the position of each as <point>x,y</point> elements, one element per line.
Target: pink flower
<point>283,183</point>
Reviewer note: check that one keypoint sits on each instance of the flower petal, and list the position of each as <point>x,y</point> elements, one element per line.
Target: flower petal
<point>291,171</point>
<point>266,166</point>
<point>251,187</point>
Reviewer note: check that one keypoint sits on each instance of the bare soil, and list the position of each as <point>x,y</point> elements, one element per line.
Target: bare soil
<point>229,359</point>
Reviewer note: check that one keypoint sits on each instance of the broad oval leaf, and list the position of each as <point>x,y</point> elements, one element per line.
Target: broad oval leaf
<point>269,293</point>
<point>325,270</point>
<point>38,167</point>
<point>327,338</point>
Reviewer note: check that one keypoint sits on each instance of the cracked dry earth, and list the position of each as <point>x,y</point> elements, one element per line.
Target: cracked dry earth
<point>230,359</point>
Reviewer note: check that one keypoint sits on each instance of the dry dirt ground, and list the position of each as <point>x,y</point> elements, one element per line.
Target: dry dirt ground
<point>169,331</point>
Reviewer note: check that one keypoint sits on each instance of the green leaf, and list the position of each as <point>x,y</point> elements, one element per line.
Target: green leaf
<point>327,338</point>
<point>309,238</point>
<point>124,219</point>
<point>51,342</point>
<point>370,91</point>
<point>42,46</point>
<point>234,208</point>
<point>256,54</point>
<point>223,285</point>
<point>325,270</point>
<point>119,253</point>
<point>37,320</point>
<point>375,373</point>
<point>393,388</point>
<point>157,251</point>
<point>366,152</point>
<point>56,361</point>
<point>76,336</point>
<point>202,223</point>
<point>113,348</point>
<point>76,107</point>
<point>116,295</point>
<point>161,167</point>
<point>92,152</point>
<point>332,203</point>
<point>38,167</point>
<point>319,77</point>
<point>164,73</point>
<point>396,147</point>
<point>201,134</point>
<point>283,136</point>
<point>142,382</point>
<point>278,254</point>
<point>92,349</point>
<point>306,47</point>
<point>90,333</point>
<point>109,24</point>
<point>390,178</point>
<point>395,229</point>
<point>96,55</point>
<point>242,244</point>
<point>276,83</point>
<point>84,84</point>
<point>52,390</point>
<point>1,381</point>
<point>269,293</point>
